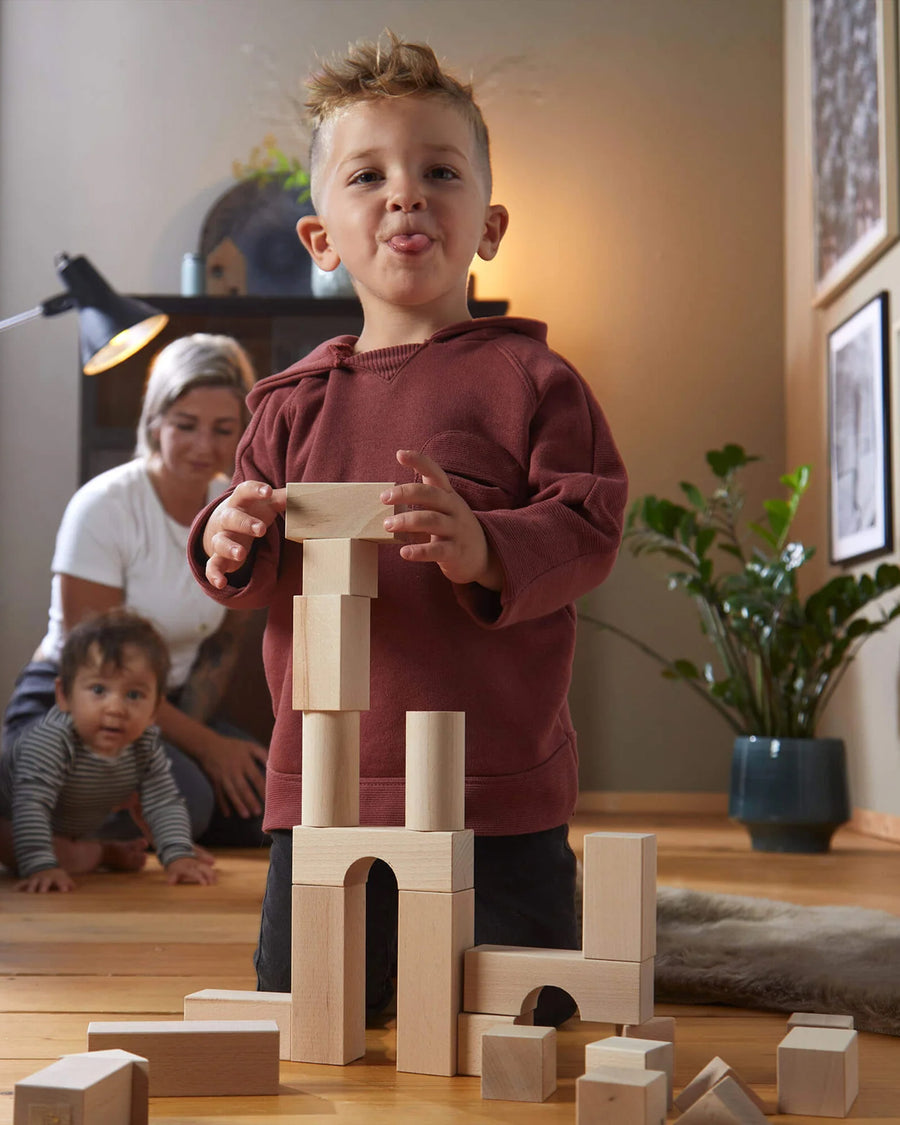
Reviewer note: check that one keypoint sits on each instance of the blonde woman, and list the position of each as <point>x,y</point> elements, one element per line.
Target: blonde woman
<point>122,541</point>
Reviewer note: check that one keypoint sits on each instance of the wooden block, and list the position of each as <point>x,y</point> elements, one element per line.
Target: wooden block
<point>340,566</point>
<point>337,511</point>
<point>331,653</point>
<point>820,1019</point>
<point>434,931</point>
<point>644,1054</point>
<point>725,1103</point>
<point>328,973</point>
<point>421,861</point>
<point>620,1096</point>
<point>714,1071</point>
<point>436,771</point>
<point>657,1027</point>
<point>518,1064</point>
<point>470,1028</point>
<point>79,1090</point>
<point>234,1004</point>
<point>619,896</point>
<point>330,770</point>
<point>818,1071</point>
<point>506,979</point>
<point>140,1079</point>
<point>198,1058</point>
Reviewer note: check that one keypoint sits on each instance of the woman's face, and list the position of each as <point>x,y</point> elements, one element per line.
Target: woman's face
<point>199,433</point>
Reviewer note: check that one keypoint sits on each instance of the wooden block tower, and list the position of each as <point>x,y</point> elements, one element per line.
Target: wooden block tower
<point>340,527</point>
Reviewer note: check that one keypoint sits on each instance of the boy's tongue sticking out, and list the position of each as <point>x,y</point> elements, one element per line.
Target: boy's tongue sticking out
<point>409,243</point>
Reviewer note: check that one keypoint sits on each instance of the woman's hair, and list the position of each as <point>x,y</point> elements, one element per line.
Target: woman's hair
<point>201,360</point>
<point>106,638</point>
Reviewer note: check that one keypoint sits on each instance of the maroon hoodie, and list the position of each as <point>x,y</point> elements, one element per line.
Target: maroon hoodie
<point>523,441</point>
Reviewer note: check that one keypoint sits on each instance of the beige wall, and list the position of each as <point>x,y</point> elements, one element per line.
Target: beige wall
<point>638,145</point>
<point>865,710</point>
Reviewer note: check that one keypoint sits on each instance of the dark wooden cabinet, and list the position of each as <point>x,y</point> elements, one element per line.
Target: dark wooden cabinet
<point>276,331</point>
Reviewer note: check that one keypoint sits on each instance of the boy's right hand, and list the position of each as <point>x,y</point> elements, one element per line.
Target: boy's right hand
<point>50,879</point>
<point>242,517</point>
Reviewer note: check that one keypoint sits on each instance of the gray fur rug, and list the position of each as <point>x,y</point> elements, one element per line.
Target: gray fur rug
<point>757,953</point>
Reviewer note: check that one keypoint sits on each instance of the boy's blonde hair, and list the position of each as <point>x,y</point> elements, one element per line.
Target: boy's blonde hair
<point>395,69</point>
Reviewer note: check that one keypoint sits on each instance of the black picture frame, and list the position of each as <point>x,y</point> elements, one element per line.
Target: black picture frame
<point>859,448</point>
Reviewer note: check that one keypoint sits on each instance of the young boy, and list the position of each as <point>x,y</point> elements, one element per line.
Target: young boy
<point>512,484</point>
<point>91,754</point>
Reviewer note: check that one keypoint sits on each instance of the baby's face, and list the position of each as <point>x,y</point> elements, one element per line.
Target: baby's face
<point>111,707</point>
<point>402,196</point>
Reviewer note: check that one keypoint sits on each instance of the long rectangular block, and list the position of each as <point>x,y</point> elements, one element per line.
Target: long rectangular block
<point>328,973</point>
<point>471,1026</point>
<point>820,1019</point>
<point>80,1089</point>
<point>331,669</point>
<point>818,1071</point>
<point>235,1004</point>
<point>351,510</point>
<point>434,931</point>
<point>421,861</point>
<point>340,566</point>
<point>198,1058</point>
<point>619,896</point>
<point>620,1096</point>
<point>502,978</point>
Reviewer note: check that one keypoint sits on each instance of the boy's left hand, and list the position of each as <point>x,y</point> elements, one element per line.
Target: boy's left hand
<point>187,869</point>
<point>441,525</point>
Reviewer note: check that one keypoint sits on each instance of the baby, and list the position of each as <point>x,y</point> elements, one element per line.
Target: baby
<point>96,752</point>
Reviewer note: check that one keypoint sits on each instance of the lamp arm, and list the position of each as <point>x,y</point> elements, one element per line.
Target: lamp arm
<point>62,302</point>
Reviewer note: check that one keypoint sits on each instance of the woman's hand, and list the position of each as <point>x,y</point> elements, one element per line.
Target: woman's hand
<point>442,526</point>
<point>187,869</point>
<point>233,766</point>
<point>50,879</point>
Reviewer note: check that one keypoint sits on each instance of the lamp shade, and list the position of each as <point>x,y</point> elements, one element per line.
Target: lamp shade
<point>111,327</point>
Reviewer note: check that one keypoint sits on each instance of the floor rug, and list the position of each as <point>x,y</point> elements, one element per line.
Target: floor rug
<point>757,953</point>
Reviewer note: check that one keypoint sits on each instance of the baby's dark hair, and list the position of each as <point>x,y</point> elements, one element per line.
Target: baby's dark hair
<point>110,634</point>
<point>395,69</point>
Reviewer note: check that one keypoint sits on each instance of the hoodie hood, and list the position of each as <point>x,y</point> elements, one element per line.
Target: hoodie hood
<point>335,352</point>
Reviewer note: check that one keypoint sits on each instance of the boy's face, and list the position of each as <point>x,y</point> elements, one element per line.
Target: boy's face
<point>402,201</point>
<point>111,707</point>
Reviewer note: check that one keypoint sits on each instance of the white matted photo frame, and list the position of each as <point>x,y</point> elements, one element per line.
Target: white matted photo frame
<point>859,459</point>
<point>853,109</point>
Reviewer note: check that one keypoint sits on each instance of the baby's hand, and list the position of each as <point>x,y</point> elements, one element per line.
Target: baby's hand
<point>442,526</point>
<point>50,879</point>
<point>244,516</point>
<point>187,869</point>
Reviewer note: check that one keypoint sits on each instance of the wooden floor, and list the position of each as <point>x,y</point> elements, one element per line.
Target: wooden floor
<point>129,947</point>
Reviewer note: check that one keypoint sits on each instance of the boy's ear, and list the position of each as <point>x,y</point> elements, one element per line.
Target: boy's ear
<point>312,233</point>
<point>495,224</point>
<point>61,701</point>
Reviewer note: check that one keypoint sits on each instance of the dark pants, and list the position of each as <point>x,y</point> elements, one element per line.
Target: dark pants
<point>34,695</point>
<point>524,895</point>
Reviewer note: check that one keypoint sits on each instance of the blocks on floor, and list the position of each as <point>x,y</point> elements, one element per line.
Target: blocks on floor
<point>643,1054</point>
<point>818,1071</point>
<point>84,1089</point>
<point>518,1063</point>
<point>620,1096</point>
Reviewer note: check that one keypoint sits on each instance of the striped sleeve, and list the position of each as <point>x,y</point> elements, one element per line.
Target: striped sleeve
<point>42,758</point>
<point>162,804</point>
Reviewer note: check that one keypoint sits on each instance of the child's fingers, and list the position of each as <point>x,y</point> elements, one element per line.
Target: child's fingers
<point>430,471</point>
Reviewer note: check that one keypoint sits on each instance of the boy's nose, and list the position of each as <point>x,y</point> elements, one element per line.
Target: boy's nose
<point>406,195</point>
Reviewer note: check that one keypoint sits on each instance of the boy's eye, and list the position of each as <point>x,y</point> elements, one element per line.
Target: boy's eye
<point>96,689</point>
<point>136,694</point>
<point>225,431</point>
<point>443,172</point>
<point>366,176</point>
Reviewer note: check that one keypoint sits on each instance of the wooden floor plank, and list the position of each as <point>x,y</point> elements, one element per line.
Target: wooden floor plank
<point>130,947</point>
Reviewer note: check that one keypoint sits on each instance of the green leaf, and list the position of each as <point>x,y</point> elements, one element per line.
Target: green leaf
<point>694,495</point>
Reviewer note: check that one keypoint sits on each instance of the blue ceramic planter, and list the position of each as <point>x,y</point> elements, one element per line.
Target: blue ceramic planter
<point>791,794</point>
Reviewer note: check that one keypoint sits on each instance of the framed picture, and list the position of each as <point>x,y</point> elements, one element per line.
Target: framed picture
<point>853,101</point>
<point>859,438</point>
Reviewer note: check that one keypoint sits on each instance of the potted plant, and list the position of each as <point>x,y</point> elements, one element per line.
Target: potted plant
<point>777,657</point>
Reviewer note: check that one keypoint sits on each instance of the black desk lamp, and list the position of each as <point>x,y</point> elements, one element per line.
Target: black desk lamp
<point>111,327</point>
